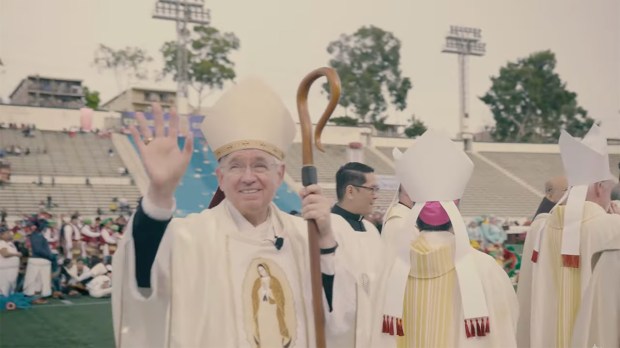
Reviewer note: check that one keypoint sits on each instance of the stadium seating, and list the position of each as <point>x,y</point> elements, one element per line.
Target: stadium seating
<point>504,184</point>
<point>84,154</point>
<point>330,161</point>
<point>491,192</point>
<point>59,155</point>
<point>22,199</point>
<point>533,168</point>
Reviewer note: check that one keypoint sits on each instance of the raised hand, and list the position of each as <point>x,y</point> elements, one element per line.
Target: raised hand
<point>161,157</point>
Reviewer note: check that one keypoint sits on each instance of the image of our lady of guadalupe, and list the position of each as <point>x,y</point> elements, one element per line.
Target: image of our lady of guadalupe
<point>273,320</point>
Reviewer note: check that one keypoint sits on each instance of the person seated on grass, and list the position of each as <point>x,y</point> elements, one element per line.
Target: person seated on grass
<point>101,285</point>
<point>77,275</point>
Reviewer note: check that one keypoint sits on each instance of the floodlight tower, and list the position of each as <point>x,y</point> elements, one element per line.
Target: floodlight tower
<point>183,12</point>
<point>464,42</point>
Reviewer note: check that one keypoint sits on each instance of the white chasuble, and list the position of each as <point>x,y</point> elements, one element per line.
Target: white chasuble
<point>214,283</point>
<point>598,319</point>
<point>394,219</point>
<point>525,284</point>
<point>556,290</point>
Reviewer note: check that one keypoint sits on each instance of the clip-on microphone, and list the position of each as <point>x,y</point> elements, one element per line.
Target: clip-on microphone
<point>279,242</point>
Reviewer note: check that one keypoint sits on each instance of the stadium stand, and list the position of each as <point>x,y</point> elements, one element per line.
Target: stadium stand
<point>331,160</point>
<point>59,153</point>
<point>23,199</point>
<point>536,168</point>
<point>540,166</point>
<point>507,183</point>
<point>68,159</point>
<point>326,162</point>
<point>491,192</point>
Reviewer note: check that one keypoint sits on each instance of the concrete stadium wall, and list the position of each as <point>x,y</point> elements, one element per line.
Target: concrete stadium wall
<point>528,148</point>
<point>53,119</point>
<point>516,147</point>
<point>391,142</point>
<point>57,119</point>
<point>69,180</point>
<point>488,147</point>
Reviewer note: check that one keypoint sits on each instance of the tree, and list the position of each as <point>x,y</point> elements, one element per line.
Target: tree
<point>530,103</point>
<point>126,62</point>
<point>344,121</point>
<point>416,128</point>
<point>92,98</point>
<point>368,63</point>
<point>208,61</point>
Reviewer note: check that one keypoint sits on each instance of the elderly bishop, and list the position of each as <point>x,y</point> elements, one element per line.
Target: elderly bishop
<point>236,275</point>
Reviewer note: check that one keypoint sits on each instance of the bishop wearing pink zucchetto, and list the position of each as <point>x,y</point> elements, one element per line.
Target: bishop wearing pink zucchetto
<point>436,290</point>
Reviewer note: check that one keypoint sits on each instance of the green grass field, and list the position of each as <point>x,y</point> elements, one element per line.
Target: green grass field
<point>82,322</point>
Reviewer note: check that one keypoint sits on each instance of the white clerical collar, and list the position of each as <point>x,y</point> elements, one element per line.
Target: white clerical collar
<point>261,231</point>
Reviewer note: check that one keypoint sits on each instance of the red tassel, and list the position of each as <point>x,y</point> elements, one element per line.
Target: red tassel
<point>391,319</point>
<point>385,324</point>
<point>488,326</point>
<point>399,327</point>
<point>478,329</point>
<point>535,256</point>
<point>467,332</point>
<point>571,261</point>
<point>472,327</point>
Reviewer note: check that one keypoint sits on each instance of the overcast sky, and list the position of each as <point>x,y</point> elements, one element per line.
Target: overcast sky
<point>282,40</point>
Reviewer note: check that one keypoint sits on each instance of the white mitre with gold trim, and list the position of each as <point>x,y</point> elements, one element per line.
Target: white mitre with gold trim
<point>250,115</point>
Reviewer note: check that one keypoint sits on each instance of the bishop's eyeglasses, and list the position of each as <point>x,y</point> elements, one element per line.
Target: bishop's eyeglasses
<point>374,189</point>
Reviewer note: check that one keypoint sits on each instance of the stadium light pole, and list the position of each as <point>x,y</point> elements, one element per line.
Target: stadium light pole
<point>464,42</point>
<point>183,12</point>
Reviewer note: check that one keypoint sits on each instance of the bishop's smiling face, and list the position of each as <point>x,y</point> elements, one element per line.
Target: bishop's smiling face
<point>249,178</point>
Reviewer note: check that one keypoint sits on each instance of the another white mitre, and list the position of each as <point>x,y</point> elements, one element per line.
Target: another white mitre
<point>585,162</point>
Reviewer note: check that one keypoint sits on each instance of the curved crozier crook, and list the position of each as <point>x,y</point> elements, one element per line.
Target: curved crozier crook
<point>309,177</point>
<point>304,116</point>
